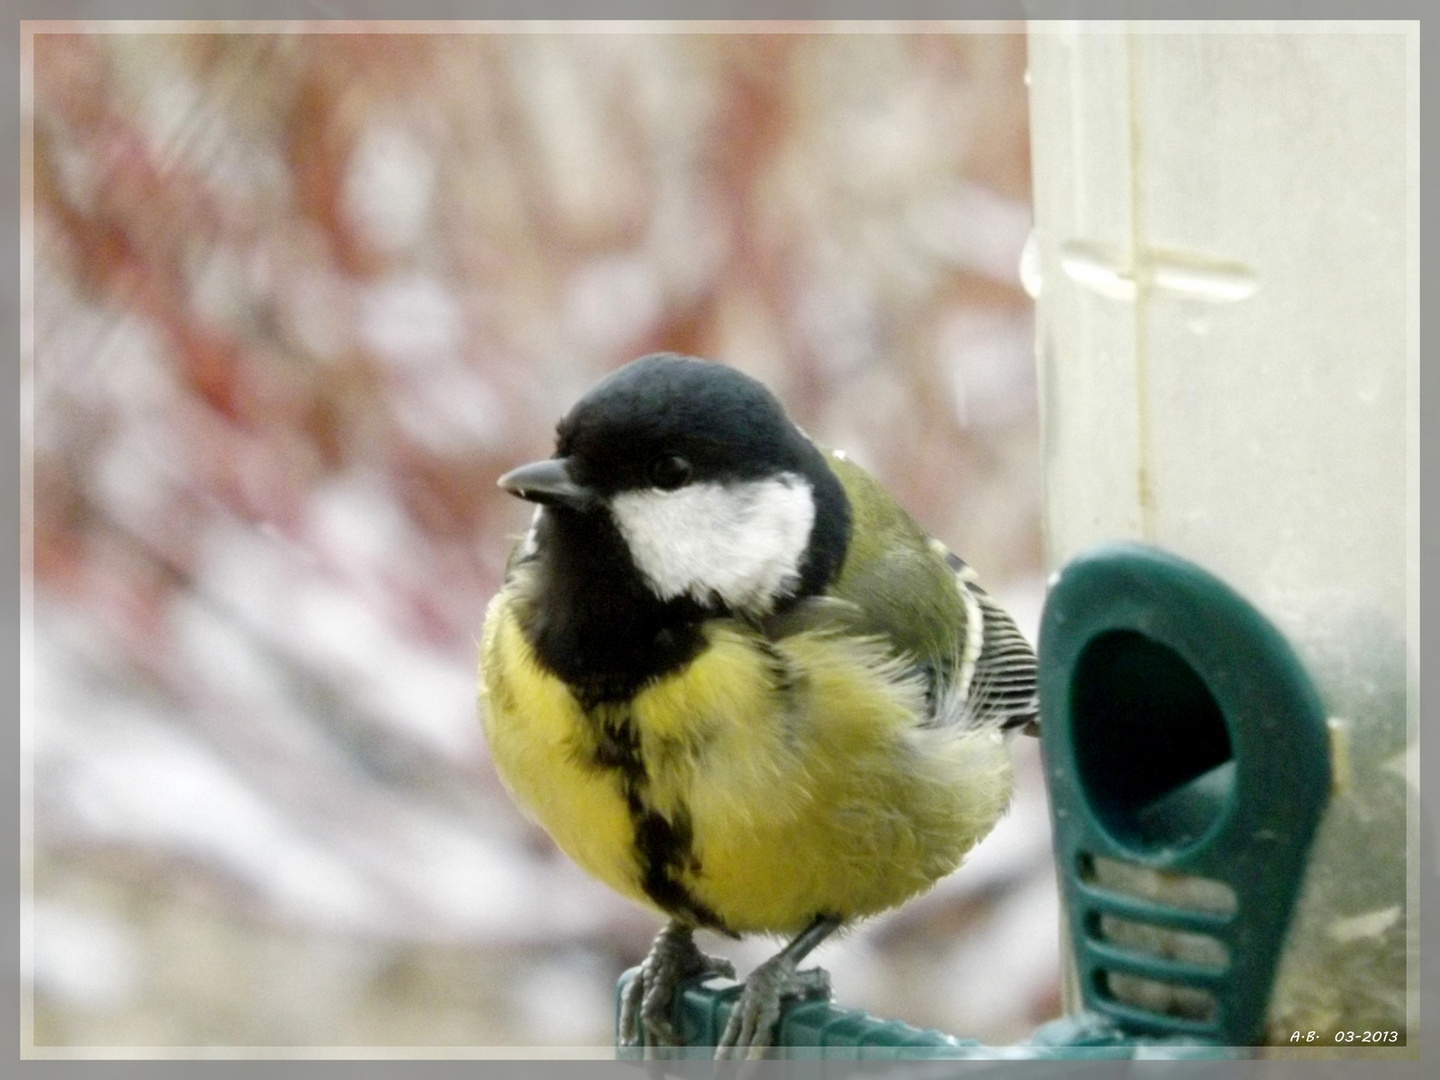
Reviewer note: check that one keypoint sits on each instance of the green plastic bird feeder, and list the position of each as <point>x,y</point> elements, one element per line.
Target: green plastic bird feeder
<point>1187,761</point>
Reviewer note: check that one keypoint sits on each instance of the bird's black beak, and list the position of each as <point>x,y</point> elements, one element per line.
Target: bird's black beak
<point>548,482</point>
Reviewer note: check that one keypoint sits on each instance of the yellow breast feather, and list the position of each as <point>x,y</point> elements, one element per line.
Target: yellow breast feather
<point>797,775</point>
<point>539,742</point>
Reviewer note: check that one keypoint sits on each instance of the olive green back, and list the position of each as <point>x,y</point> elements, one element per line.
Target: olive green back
<point>904,588</point>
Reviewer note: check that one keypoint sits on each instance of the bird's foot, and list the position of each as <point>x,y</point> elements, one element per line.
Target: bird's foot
<point>751,1027</point>
<point>646,1014</point>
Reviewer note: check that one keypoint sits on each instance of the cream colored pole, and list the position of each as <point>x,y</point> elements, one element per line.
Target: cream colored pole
<point>1225,268</point>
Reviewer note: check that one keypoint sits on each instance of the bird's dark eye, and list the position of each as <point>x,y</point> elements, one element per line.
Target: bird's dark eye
<point>669,471</point>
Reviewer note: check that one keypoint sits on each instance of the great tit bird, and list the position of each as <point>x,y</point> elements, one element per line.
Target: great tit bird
<point>736,682</point>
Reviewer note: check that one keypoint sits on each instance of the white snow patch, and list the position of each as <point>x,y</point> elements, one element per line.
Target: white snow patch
<point>410,319</point>
<point>611,301</point>
<point>389,187</point>
<point>973,227</point>
<point>990,357</point>
<point>453,412</point>
<point>85,958</point>
<point>130,778</point>
<point>567,998</point>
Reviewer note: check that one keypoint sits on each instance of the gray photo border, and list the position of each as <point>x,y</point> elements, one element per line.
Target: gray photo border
<point>14,547</point>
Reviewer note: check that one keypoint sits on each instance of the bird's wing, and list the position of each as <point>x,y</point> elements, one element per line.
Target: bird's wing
<point>910,588</point>
<point>813,613</point>
<point>998,669</point>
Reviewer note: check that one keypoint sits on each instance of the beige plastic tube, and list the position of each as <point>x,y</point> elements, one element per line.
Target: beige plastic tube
<point>1225,270</point>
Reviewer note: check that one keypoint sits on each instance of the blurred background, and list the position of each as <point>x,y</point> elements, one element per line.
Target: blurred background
<point>298,299</point>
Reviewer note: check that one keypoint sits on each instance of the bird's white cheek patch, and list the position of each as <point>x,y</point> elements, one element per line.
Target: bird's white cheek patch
<point>743,542</point>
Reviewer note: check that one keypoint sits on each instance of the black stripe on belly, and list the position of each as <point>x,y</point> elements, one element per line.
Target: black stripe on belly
<point>663,845</point>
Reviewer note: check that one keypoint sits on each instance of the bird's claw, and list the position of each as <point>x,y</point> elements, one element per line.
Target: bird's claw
<point>750,1029</point>
<point>648,1006</point>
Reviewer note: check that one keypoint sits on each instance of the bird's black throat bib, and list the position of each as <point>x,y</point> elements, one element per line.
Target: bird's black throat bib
<point>590,617</point>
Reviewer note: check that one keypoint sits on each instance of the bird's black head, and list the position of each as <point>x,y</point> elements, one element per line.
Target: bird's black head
<point>718,497</point>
